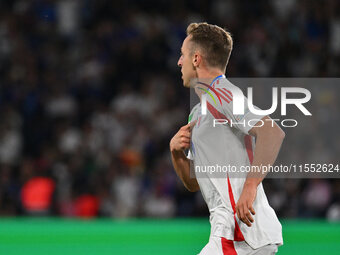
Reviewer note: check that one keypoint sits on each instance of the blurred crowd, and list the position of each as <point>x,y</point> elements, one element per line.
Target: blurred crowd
<point>90,96</point>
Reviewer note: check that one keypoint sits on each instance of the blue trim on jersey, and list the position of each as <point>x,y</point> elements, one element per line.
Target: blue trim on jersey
<point>193,149</point>
<point>215,79</point>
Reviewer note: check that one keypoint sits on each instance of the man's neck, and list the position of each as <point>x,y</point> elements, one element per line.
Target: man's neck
<point>208,76</point>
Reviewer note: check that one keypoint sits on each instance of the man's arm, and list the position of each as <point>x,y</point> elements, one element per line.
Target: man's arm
<point>269,138</point>
<point>181,163</point>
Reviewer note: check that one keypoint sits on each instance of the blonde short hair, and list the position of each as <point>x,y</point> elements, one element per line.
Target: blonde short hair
<point>215,43</point>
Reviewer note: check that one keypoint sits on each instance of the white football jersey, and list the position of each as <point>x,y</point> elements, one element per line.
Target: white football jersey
<point>217,150</point>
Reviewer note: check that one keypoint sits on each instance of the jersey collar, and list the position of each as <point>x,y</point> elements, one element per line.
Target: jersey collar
<point>217,78</point>
<point>222,76</point>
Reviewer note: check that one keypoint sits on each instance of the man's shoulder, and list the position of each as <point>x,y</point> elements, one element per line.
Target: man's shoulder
<point>195,108</point>
<point>194,111</point>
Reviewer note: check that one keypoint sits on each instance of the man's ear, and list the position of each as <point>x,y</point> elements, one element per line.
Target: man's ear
<point>196,60</point>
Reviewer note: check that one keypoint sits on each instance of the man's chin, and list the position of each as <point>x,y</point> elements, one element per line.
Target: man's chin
<point>186,84</point>
<point>191,83</point>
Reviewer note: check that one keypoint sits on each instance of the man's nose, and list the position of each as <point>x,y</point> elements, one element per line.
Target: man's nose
<point>179,63</point>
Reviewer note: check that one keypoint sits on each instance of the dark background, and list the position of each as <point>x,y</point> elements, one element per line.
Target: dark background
<point>90,96</point>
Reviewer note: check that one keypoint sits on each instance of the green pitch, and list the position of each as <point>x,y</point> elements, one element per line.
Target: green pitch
<point>25,236</point>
